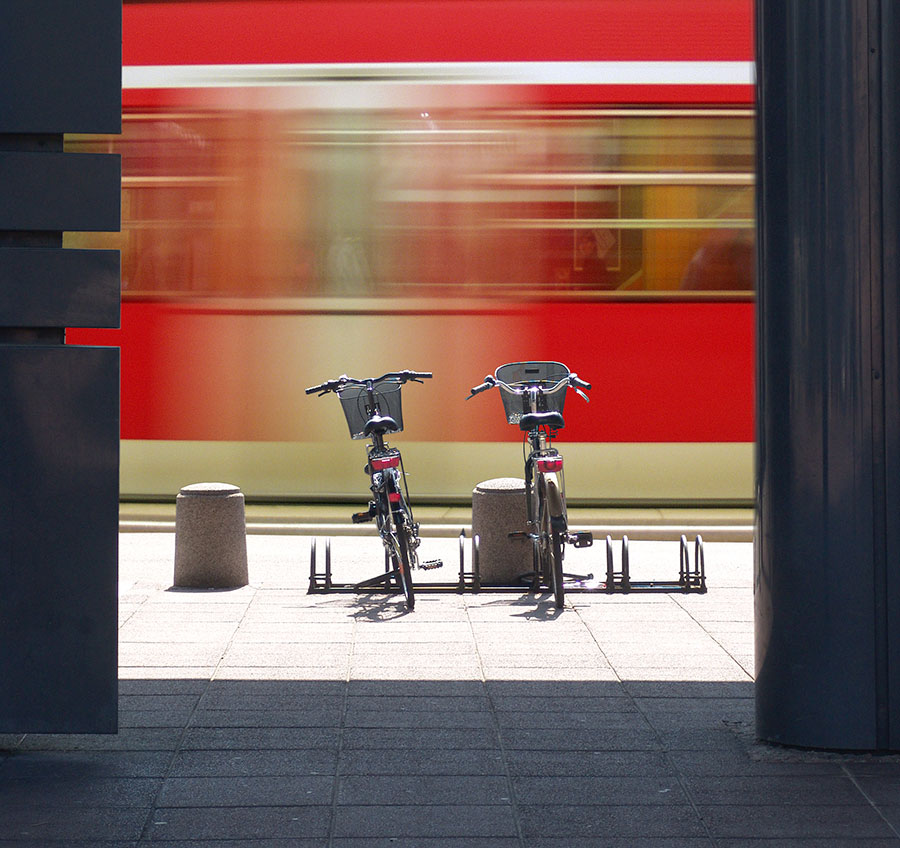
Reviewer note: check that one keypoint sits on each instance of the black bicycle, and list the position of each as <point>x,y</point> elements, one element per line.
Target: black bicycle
<point>372,408</point>
<point>533,397</point>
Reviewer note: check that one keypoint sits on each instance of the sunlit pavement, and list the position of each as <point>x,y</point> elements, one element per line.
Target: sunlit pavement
<point>268,716</point>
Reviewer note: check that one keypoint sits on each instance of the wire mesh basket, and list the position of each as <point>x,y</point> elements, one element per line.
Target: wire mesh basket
<point>357,409</point>
<point>522,375</point>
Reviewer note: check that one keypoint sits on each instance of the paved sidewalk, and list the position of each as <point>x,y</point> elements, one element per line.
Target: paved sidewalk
<point>266,717</point>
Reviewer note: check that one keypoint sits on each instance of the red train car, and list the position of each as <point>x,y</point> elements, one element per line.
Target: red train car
<point>317,187</point>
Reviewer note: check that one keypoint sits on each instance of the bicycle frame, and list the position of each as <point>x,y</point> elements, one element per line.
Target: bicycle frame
<point>539,416</point>
<point>389,505</point>
<point>385,469</point>
<point>543,460</point>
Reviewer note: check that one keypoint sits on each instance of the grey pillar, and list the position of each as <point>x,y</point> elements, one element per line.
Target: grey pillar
<point>60,71</point>
<point>828,384</point>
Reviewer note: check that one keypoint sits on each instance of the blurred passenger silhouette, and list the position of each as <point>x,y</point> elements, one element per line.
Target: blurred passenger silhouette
<point>347,268</point>
<point>590,264</point>
<point>726,261</point>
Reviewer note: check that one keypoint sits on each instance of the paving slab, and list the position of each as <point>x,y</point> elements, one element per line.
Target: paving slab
<point>474,822</point>
<point>240,823</point>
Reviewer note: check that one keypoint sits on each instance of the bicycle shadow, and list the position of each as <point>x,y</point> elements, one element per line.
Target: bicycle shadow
<point>538,607</point>
<point>375,609</point>
<point>539,611</point>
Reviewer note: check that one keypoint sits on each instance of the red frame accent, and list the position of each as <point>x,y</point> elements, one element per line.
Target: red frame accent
<point>382,462</point>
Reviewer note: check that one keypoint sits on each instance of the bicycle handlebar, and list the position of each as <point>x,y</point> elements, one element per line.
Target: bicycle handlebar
<point>572,379</point>
<point>344,380</point>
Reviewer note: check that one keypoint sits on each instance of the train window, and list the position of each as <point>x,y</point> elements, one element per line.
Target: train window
<point>561,203</point>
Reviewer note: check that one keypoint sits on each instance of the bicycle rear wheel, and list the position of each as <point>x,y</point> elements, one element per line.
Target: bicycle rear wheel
<point>402,547</point>
<point>552,525</point>
<point>556,559</point>
<point>392,528</point>
<point>404,563</point>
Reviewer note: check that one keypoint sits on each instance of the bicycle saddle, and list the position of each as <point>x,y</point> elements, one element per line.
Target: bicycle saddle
<point>380,424</point>
<point>553,420</point>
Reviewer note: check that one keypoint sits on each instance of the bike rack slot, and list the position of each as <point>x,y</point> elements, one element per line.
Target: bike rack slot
<point>468,579</point>
<point>320,582</point>
<point>692,578</point>
<point>617,579</point>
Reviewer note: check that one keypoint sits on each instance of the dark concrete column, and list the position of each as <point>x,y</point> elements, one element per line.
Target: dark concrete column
<point>60,71</point>
<point>828,408</point>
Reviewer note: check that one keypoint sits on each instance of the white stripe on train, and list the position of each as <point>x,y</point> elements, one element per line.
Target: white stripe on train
<point>432,73</point>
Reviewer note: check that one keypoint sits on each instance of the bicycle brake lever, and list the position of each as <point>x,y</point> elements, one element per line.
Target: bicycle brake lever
<point>586,398</point>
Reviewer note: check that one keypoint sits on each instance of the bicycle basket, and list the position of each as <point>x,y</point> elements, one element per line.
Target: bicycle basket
<point>355,399</point>
<point>544,375</point>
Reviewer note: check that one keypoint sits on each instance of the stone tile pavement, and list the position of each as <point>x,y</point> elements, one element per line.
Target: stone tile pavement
<point>266,716</point>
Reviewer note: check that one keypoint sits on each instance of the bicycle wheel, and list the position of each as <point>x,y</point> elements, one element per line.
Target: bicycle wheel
<point>402,548</point>
<point>534,530</point>
<point>404,563</point>
<point>552,528</point>
<point>556,559</point>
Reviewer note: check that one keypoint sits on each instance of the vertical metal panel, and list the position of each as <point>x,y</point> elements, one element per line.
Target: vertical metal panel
<point>60,191</point>
<point>61,67</point>
<point>888,58</point>
<point>60,71</point>
<point>59,430</point>
<point>47,287</point>
<point>816,560</point>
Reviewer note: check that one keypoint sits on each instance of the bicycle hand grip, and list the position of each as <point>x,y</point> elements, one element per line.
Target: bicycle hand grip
<point>487,384</point>
<point>577,381</point>
<point>313,389</point>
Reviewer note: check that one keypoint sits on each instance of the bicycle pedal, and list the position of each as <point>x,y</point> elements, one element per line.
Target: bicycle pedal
<point>518,534</point>
<point>581,539</point>
<point>360,517</point>
<point>432,563</point>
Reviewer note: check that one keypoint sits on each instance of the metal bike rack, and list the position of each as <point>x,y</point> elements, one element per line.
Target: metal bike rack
<point>691,576</point>
<point>322,581</point>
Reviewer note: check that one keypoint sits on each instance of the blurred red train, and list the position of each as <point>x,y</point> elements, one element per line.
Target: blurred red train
<point>317,187</point>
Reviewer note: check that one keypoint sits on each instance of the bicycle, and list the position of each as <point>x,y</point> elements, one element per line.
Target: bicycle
<point>533,396</point>
<point>373,409</point>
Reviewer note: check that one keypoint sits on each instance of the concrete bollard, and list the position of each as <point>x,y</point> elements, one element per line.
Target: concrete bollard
<point>210,537</point>
<point>498,509</point>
